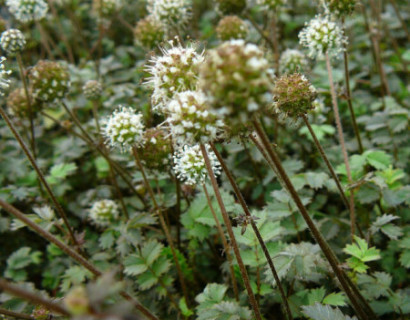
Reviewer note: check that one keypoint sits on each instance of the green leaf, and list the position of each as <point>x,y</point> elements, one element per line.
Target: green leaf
<point>62,170</point>
<point>378,159</point>
<point>316,180</point>
<point>184,308</point>
<point>321,312</point>
<point>361,253</point>
<point>335,299</point>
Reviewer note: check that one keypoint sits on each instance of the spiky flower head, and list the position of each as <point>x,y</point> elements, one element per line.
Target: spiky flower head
<point>40,313</point>
<point>230,6</point>
<point>4,77</point>
<point>175,71</point>
<point>190,119</point>
<point>76,301</point>
<point>237,81</point>
<point>12,41</point>
<point>18,105</point>
<point>125,128</point>
<point>92,89</point>
<point>294,95</point>
<point>232,27</point>
<point>292,61</point>
<point>49,81</point>
<point>156,151</point>
<point>106,8</point>
<point>321,36</point>
<point>148,32</point>
<point>27,10</point>
<point>103,212</point>
<point>190,164</point>
<point>271,4</point>
<point>341,8</point>
<point>174,12</point>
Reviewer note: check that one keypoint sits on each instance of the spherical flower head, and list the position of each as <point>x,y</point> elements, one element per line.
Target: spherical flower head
<point>4,77</point>
<point>92,90</point>
<point>49,81</point>
<point>148,32</point>
<point>292,61</point>
<point>237,80</point>
<point>174,12</point>
<point>124,128</point>
<point>271,4</point>
<point>341,8</point>
<point>294,95</point>
<point>156,151</point>
<point>175,71</point>
<point>106,8</point>
<point>321,36</point>
<point>230,6</point>
<point>103,212</point>
<point>190,164</point>
<point>18,105</point>
<point>12,41</point>
<point>190,119</point>
<point>27,10</point>
<point>232,27</point>
<point>76,301</point>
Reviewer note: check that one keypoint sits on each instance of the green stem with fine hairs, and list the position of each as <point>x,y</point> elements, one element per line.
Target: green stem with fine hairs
<point>232,238</point>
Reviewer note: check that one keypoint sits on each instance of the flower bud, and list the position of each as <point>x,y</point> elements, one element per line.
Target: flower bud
<point>4,77</point>
<point>92,90</point>
<point>103,212</point>
<point>18,105</point>
<point>292,61</point>
<point>173,12</point>
<point>12,41</point>
<point>341,8</point>
<point>231,6</point>
<point>231,27</point>
<point>271,4</point>
<point>148,32</point>
<point>40,313</point>
<point>106,8</point>
<point>27,10</point>
<point>49,81</point>
<point>156,151</point>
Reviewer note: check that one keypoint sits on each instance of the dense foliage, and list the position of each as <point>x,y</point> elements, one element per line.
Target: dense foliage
<point>204,159</point>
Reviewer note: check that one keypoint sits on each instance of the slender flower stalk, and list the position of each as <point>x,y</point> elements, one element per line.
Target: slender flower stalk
<point>40,176</point>
<point>342,144</point>
<point>232,238</point>
<point>225,243</point>
<point>32,297</point>
<point>14,314</point>
<point>162,222</point>
<point>255,229</point>
<point>363,310</point>
<point>70,252</point>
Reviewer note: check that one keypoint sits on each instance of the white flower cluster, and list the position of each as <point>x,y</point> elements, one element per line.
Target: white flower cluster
<point>321,36</point>
<point>124,128</point>
<point>271,4</point>
<point>292,61</point>
<point>175,71</point>
<point>174,12</point>
<point>12,41</point>
<point>27,10</point>
<point>4,77</point>
<point>190,164</point>
<point>106,8</point>
<point>92,89</point>
<point>190,118</point>
<point>103,212</point>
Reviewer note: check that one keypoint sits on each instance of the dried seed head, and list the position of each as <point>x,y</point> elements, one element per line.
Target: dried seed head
<point>12,41</point>
<point>103,212</point>
<point>190,165</point>
<point>190,119</point>
<point>77,301</point>
<point>49,81</point>
<point>294,95</point>
<point>321,36</point>
<point>27,10</point>
<point>148,32</point>
<point>231,27</point>
<point>237,81</point>
<point>230,6</point>
<point>175,71</point>
<point>156,151</point>
<point>125,128</point>
<point>293,61</point>
<point>92,90</point>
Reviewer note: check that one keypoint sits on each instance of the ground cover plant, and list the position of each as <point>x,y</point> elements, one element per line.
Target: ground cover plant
<point>204,159</point>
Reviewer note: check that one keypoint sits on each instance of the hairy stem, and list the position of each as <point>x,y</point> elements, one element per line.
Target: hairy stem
<point>342,145</point>
<point>363,310</point>
<point>162,222</point>
<point>14,314</point>
<point>245,208</point>
<point>225,243</point>
<point>40,176</point>
<point>234,244</point>
<point>32,297</point>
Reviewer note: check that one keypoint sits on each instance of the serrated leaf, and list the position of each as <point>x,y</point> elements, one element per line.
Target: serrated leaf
<point>62,170</point>
<point>316,180</point>
<point>134,265</point>
<point>321,312</point>
<point>378,159</point>
<point>151,251</point>
<point>335,299</point>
